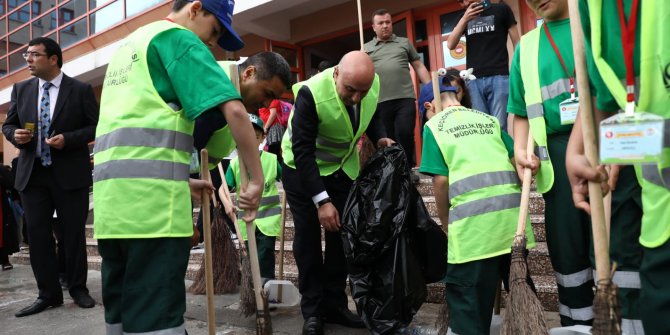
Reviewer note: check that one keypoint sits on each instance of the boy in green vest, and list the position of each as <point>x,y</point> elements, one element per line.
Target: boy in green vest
<point>607,75</point>
<point>268,219</point>
<point>541,84</point>
<point>478,200</point>
<point>143,217</point>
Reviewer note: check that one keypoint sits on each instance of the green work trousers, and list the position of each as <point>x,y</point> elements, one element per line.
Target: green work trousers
<point>568,232</point>
<point>471,291</point>
<point>625,248</point>
<point>143,287</point>
<point>266,254</point>
<point>655,289</point>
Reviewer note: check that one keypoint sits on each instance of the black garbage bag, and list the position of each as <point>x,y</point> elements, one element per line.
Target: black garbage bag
<point>393,247</point>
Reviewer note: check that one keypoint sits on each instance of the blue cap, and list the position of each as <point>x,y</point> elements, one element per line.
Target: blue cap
<point>426,94</point>
<point>223,10</point>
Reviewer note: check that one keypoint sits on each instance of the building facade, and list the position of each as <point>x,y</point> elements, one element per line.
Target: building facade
<point>305,32</point>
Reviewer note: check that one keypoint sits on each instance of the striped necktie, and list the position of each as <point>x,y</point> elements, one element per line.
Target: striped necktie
<point>44,124</point>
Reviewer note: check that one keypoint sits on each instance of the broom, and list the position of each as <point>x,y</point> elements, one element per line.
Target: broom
<point>247,298</point>
<point>280,297</point>
<point>226,270</point>
<point>606,313</point>
<point>523,310</point>
<point>263,320</point>
<point>207,229</point>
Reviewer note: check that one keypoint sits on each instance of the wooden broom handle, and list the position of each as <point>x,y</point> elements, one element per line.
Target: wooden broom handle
<point>525,188</point>
<point>360,24</point>
<point>207,230</point>
<point>435,78</point>
<point>281,246</point>
<point>600,241</point>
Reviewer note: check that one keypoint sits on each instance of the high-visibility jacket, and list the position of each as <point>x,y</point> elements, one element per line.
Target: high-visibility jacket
<point>484,188</point>
<point>142,150</point>
<point>221,144</point>
<point>336,141</point>
<point>654,98</point>
<point>268,217</point>
<point>529,60</point>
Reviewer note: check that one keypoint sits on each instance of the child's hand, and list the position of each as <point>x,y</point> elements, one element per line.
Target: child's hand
<point>199,185</point>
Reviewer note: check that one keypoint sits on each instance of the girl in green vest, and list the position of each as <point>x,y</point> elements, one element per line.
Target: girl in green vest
<point>477,195</point>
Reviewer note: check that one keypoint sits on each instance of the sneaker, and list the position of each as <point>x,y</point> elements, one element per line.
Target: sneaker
<point>233,236</point>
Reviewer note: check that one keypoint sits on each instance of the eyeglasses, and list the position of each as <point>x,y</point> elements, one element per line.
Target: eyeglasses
<point>32,54</point>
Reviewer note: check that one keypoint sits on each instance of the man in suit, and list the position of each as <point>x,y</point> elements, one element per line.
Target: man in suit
<point>332,111</point>
<point>51,119</point>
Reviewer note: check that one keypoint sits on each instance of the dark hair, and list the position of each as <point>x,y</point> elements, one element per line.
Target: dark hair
<point>455,75</point>
<point>179,4</point>
<point>324,64</point>
<point>268,65</point>
<point>50,47</point>
<point>380,12</point>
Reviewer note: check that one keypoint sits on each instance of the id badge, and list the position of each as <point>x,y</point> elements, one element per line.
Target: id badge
<point>569,109</point>
<point>631,139</point>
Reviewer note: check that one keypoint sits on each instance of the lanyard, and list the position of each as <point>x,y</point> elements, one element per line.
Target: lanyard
<point>628,42</point>
<point>560,58</point>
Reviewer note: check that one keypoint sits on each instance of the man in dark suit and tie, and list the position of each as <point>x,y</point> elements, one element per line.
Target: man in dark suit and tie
<point>51,119</point>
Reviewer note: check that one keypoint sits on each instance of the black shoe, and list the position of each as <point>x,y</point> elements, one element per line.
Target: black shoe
<point>38,306</point>
<point>63,283</point>
<point>84,300</point>
<point>312,326</point>
<point>343,316</point>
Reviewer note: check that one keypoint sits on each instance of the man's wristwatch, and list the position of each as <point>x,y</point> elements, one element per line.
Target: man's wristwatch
<point>324,201</point>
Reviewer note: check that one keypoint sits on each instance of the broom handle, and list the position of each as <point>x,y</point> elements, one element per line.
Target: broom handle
<point>601,244</point>
<point>253,250</point>
<point>281,246</point>
<point>360,24</point>
<point>525,188</point>
<point>207,229</point>
<point>436,92</point>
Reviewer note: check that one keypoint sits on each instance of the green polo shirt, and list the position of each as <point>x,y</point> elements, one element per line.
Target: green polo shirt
<point>391,59</point>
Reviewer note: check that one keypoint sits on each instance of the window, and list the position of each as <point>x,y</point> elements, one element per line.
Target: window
<point>64,16</point>
<point>23,14</point>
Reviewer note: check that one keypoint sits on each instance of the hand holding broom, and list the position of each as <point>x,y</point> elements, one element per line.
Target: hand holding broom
<point>606,316</point>
<point>523,311</point>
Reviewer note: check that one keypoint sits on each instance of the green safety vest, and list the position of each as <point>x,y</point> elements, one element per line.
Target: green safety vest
<point>221,144</point>
<point>336,142</point>
<point>142,150</point>
<point>529,60</point>
<point>654,98</point>
<point>484,193</point>
<point>268,217</point>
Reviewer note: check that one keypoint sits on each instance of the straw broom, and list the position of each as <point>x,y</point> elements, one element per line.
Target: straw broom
<point>606,314</point>
<point>523,310</point>
<point>263,320</point>
<point>207,229</point>
<point>247,303</point>
<point>226,269</point>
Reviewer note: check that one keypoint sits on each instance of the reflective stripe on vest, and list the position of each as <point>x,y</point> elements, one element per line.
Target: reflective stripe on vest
<point>529,62</point>
<point>482,180</point>
<point>631,327</point>
<point>136,168</point>
<point>624,279</point>
<point>144,137</point>
<point>270,200</point>
<point>556,88</point>
<point>336,142</point>
<point>483,206</point>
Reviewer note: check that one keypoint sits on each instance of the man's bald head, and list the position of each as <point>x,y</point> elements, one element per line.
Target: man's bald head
<point>353,77</point>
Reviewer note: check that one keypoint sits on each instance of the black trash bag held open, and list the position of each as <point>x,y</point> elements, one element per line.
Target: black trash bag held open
<point>393,247</point>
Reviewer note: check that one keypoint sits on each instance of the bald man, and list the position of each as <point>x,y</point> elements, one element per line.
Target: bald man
<point>332,111</point>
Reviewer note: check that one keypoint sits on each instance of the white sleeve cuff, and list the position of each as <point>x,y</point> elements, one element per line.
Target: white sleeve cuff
<point>319,197</point>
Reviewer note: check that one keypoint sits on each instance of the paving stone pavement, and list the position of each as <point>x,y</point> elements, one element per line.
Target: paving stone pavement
<point>18,289</point>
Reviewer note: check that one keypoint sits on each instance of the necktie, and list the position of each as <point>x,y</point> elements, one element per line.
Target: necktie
<point>44,124</point>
